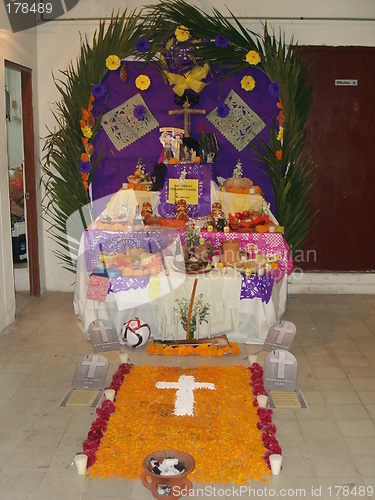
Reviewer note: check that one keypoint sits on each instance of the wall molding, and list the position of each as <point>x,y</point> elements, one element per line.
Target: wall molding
<point>331,283</point>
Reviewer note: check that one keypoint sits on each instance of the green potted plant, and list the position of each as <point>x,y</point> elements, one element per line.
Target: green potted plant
<point>182,309</point>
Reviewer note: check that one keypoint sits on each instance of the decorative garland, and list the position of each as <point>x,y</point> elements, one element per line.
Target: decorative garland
<point>99,426</point>
<point>203,350</point>
<point>70,159</point>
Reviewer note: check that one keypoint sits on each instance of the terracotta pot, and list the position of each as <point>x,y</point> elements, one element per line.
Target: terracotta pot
<point>180,485</point>
<point>231,252</point>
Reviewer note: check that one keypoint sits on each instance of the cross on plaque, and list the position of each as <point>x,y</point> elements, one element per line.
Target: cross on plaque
<point>187,112</point>
<point>282,362</point>
<point>103,330</point>
<point>283,329</point>
<point>184,396</point>
<point>93,364</point>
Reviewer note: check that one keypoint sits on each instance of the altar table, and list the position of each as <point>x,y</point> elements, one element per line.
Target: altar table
<point>262,299</point>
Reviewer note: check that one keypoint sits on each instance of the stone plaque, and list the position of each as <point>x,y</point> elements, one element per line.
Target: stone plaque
<point>103,336</point>
<point>91,372</point>
<point>280,336</point>
<point>280,371</point>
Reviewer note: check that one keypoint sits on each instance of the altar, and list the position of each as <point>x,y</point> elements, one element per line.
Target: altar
<point>204,192</point>
<point>243,307</point>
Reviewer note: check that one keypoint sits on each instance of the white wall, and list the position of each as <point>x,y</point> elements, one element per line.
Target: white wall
<point>20,48</point>
<point>58,44</point>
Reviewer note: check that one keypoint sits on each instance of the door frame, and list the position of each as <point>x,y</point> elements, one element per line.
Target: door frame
<point>29,176</point>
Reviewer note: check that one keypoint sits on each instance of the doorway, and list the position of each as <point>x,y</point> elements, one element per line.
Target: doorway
<point>21,172</point>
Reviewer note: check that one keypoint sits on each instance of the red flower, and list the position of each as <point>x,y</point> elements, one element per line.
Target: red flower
<point>201,127</point>
<point>108,405</point>
<point>103,413</point>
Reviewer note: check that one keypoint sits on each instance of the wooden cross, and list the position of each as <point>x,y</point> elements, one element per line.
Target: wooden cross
<point>187,112</point>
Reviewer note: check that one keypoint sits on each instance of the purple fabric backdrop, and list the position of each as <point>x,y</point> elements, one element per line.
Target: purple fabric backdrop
<point>114,168</point>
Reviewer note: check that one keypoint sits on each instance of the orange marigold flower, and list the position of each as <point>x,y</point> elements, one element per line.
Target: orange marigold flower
<point>84,141</point>
<point>85,176</point>
<point>151,348</point>
<point>85,157</point>
<point>279,154</point>
<point>85,114</point>
<point>168,350</point>
<point>279,105</point>
<point>85,185</point>
<point>91,98</point>
<point>234,348</point>
<point>158,349</point>
<point>281,119</point>
<point>82,123</point>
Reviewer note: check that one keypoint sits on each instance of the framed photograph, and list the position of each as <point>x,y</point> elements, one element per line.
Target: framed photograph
<point>186,154</point>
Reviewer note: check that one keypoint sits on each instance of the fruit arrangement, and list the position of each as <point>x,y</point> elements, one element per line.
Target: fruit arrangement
<point>248,221</point>
<point>140,179</point>
<point>135,262</point>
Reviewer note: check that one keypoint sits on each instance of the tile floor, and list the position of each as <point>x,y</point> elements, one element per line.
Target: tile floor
<point>328,446</point>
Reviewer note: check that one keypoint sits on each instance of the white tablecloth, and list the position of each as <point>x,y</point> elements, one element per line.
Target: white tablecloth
<point>249,326</point>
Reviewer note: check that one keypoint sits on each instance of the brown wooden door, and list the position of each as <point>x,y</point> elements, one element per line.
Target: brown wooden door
<point>30,176</point>
<point>342,144</point>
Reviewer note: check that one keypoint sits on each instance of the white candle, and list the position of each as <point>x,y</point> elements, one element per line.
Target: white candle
<point>260,271</point>
<point>176,326</point>
<point>109,394</point>
<point>164,329</point>
<point>252,359</point>
<point>197,323</point>
<point>124,357</point>
<point>209,326</point>
<point>275,462</point>
<point>262,401</point>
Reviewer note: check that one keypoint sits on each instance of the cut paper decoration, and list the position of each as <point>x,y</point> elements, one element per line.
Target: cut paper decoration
<point>280,371</point>
<point>241,125</point>
<point>97,288</point>
<point>123,128</point>
<point>280,336</point>
<point>103,336</point>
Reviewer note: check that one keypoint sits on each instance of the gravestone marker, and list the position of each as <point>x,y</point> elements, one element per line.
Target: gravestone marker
<point>91,372</point>
<point>280,371</point>
<point>280,336</point>
<point>103,336</point>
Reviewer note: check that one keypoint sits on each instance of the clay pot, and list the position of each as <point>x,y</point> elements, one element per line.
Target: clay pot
<point>178,483</point>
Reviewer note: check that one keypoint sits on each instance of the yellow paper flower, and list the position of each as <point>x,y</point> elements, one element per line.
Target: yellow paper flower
<point>280,135</point>
<point>182,33</point>
<point>142,82</point>
<point>248,83</point>
<point>87,132</point>
<point>113,62</point>
<point>252,57</point>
